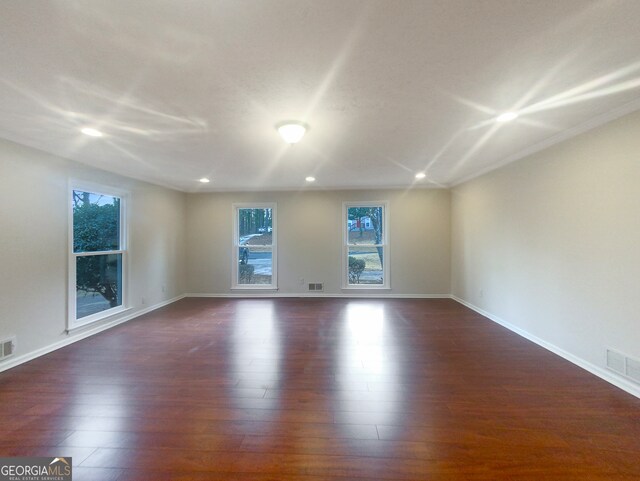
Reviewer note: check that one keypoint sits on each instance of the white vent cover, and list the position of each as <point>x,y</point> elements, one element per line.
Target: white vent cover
<point>625,365</point>
<point>7,347</point>
<point>316,286</point>
<point>633,369</point>
<point>615,361</point>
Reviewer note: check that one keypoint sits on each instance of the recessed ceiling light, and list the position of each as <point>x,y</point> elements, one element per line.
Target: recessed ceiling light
<point>292,131</point>
<point>507,117</point>
<point>420,175</point>
<point>91,132</point>
<point>204,180</point>
<point>310,179</point>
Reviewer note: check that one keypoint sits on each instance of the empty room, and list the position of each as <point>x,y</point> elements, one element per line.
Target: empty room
<point>324,240</point>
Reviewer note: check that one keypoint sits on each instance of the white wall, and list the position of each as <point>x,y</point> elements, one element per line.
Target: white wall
<point>553,243</point>
<point>310,239</point>
<point>33,244</point>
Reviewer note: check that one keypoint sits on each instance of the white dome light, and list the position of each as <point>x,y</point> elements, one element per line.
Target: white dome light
<point>420,175</point>
<point>310,179</point>
<point>507,117</point>
<point>292,132</point>
<point>204,180</point>
<point>91,132</point>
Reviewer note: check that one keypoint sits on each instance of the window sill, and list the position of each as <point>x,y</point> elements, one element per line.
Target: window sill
<point>365,288</point>
<point>101,316</point>
<point>254,288</point>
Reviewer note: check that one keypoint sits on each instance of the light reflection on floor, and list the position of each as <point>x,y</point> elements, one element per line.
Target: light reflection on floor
<point>363,357</point>
<point>112,412</point>
<point>256,345</point>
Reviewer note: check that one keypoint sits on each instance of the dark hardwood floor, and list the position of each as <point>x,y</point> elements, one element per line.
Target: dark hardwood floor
<point>318,390</point>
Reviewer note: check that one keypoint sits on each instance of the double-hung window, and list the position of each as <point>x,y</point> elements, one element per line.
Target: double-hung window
<point>365,246</point>
<point>97,254</point>
<point>254,247</point>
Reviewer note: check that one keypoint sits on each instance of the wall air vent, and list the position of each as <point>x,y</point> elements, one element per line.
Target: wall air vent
<point>316,286</point>
<point>7,347</point>
<point>615,361</point>
<point>624,365</point>
<point>633,369</point>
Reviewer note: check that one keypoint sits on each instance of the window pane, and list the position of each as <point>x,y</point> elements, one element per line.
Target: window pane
<point>98,283</point>
<point>96,222</point>
<point>255,265</point>
<point>365,225</point>
<point>255,226</point>
<point>365,265</point>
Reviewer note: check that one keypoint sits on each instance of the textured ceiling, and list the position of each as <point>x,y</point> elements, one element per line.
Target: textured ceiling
<point>389,88</point>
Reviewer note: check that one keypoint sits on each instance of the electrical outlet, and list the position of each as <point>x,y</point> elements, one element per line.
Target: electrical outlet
<point>301,281</point>
<point>481,292</point>
<point>164,288</point>
<point>144,301</point>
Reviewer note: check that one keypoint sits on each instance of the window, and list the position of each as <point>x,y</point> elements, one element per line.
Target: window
<point>254,247</point>
<point>97,257</point>
<point>365,250</point>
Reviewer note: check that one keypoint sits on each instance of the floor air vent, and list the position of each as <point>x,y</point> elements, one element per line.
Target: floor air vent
<point>316,286</point>
<point>7,347</point>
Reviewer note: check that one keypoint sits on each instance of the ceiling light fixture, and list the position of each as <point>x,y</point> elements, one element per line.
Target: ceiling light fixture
<point>507,117</point>
<point>310,179</point>
<point>292,131</point>
<point>91,132</point>
<point>204,180</point>
<point>420,175</point>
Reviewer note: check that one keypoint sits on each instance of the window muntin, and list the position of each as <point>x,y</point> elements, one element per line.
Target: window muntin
<point>97,263</point>
<point>254,265</point>
<point>365,245</point>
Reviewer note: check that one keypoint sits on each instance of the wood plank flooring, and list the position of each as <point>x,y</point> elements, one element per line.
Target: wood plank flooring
<point>317,390</point>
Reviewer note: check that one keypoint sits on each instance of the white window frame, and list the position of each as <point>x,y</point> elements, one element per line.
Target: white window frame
<point>72,321</point>
<point>386,273</point>
<point>236,246</point>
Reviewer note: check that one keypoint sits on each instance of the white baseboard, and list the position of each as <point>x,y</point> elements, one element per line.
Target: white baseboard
<point>603,374</point>
<point>82,333</point>
<point>363,295</point>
